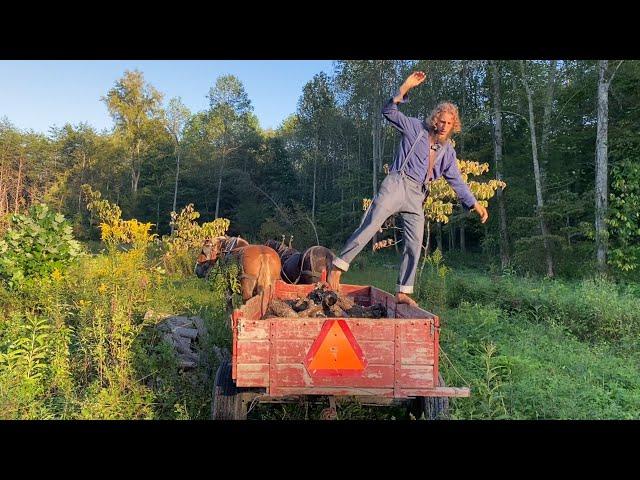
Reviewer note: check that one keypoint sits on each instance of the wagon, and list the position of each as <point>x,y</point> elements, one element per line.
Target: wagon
<point>382,361</point>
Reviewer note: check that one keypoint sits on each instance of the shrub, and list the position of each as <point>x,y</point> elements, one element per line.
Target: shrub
<point>37,244</point>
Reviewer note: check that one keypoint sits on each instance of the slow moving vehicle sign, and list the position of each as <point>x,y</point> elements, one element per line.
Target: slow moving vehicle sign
<point>335,352</point>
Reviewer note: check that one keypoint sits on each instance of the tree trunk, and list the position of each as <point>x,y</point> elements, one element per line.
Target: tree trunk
<point>464,100</point>
<point>175,188</point>
<point>463,245</point>
<point>602,166</point>
<point>497,144</point>
<point>135,169</point>
<point>3,191</point>
<point>219,185</point>
<point>374,171</point>
<point>546,120</point>
<point>18,184</point>
<point>315,167</point>
<point>536,173</point>
<point>439,236</point>
<point>84,160</point>
<point>135,178</point>
<point>452,237</point>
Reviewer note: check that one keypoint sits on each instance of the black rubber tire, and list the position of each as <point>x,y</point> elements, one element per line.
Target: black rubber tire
<point>433,408</point>
<point>227,402</point>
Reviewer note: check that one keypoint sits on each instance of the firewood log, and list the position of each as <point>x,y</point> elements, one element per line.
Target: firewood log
<point>191,356</point>
<point>281,309</point>
<point>379,311</point>
<point>301,304</point>
<point>180,322</point>
<point>182,345</point>
<point>345,303</point>
<point>312,311</point>
<point>186,364</point>
<point>199,323</point>
<point>329,299</point>
<point>356,311</point>
<point>191,333</point>
<point>336,311</point>
<point>169,339</point>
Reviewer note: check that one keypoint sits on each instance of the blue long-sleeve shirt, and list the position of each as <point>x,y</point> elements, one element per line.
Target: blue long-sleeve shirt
<point>446,164</point>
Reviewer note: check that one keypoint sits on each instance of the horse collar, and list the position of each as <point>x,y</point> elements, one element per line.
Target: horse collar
<point>231,246</point>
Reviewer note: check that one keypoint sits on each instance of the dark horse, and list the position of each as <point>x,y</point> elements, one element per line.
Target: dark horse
<point>305,268</point>
<point>260,264</point>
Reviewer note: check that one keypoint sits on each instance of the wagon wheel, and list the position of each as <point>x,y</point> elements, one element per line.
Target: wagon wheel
<point>228,402</point>
<point>433,408</point>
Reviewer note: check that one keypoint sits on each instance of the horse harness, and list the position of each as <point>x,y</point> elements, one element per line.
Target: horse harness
<point>313,273</point>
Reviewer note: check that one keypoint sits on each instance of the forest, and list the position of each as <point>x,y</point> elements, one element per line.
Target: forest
<point>540,305</point>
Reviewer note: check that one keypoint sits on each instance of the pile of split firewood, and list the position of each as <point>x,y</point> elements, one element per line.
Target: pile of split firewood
<point>323,302</point>
<point>183,333</point>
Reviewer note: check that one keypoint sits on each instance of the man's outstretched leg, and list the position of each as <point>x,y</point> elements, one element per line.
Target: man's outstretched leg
<point>389,199</point>
<point>413,230</point>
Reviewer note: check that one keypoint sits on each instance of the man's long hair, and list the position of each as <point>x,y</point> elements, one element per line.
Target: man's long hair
<point>447,107</point>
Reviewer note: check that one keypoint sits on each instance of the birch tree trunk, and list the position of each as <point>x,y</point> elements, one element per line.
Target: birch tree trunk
<point>219,187</point>
<point>602,162</point>
<point>463,244</point>
<point>497,144</point>
<point>536,173</point>
<point>18,185</point>
<point>315,174</point>
<point>175,188</point>
<point>546,119</point>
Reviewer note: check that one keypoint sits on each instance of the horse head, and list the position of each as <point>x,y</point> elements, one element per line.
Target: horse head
<point>218,247</point>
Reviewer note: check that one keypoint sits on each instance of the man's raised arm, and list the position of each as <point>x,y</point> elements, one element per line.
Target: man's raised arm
<point>390,109</point>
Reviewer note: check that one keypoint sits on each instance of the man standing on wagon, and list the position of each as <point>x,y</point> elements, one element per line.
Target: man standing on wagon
<point>424,154</point>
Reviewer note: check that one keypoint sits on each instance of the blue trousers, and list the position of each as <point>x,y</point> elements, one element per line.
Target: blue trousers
<point>398,194</point>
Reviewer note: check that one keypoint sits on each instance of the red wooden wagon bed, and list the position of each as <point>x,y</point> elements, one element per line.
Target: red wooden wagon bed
<point>377,361</point>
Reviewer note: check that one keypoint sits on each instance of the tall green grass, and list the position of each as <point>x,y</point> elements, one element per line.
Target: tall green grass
<point>77,344</point>
<point>529,349</point>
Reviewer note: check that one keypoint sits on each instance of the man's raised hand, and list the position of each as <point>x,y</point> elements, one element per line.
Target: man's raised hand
<point>415,79</point>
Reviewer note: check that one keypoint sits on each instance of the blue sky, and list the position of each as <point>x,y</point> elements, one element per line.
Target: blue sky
<point>35,95</point>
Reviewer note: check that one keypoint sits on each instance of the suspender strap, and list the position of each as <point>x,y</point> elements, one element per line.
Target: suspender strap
<point>406,159</point>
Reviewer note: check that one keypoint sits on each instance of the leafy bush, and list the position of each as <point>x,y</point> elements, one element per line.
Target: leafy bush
<point>183,245</point>
<point>36,245</point>
<point>624,216</point>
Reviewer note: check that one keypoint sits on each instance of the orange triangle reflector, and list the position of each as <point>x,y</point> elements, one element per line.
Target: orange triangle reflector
<point>335,352</point>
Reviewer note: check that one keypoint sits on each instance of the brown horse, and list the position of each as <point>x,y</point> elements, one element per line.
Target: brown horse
<point>260,264</point>
<point>305,268</point>
<point>211,250</point>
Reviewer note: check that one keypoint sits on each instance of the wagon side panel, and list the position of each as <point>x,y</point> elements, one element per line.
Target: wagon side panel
<point>292,339</point>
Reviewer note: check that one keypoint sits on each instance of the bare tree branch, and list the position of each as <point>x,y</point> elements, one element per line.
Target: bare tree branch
<point>614,72</point>
<point>284,215</point>
<point>314,229</point>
